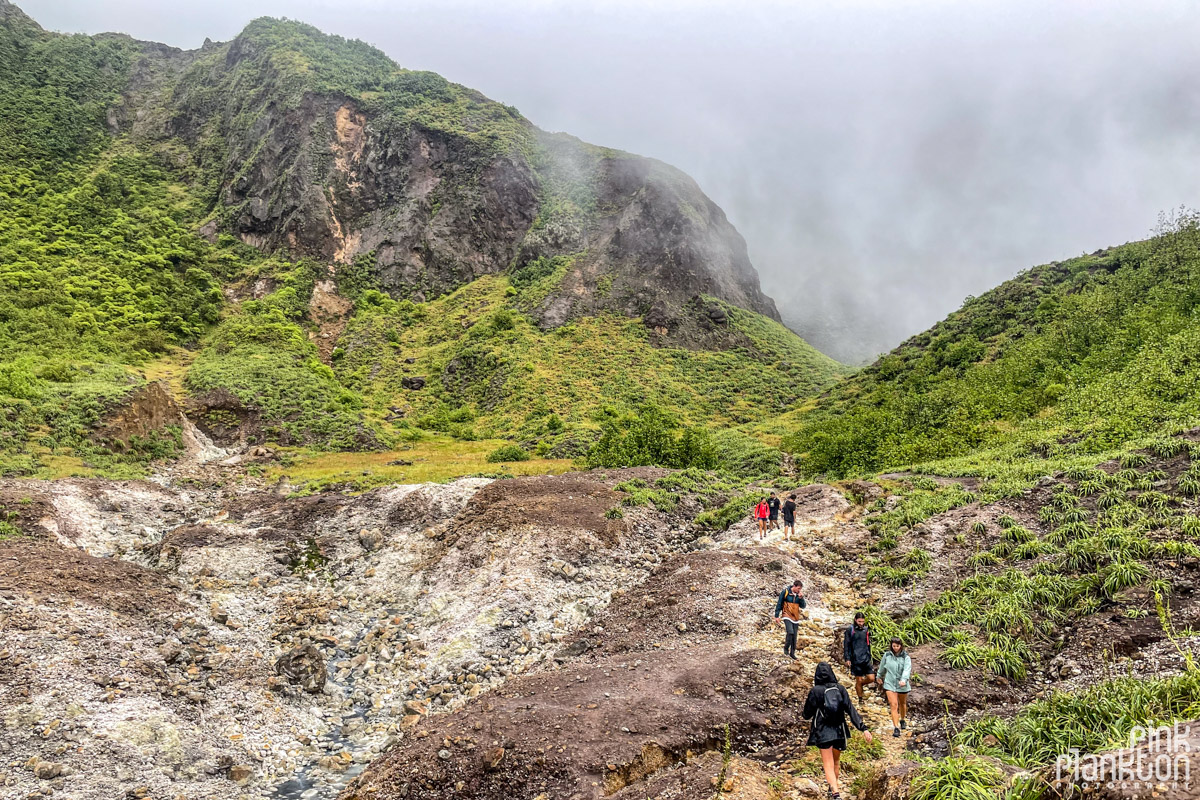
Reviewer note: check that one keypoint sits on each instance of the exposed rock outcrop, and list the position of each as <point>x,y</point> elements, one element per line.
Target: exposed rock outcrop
<point>426,184</point>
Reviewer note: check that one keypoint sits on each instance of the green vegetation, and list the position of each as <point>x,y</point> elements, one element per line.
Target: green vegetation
<point>957,779</point>
<point>1092,719</point>
<point>651,437</point>
<point>594,388</point>
<point>102,274</point>
<point>507,452</point>
<point>263,358</point>
<point>1072,358</point>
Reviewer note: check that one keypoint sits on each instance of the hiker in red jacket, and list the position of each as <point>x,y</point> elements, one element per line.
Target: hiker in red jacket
<point>761,512</point>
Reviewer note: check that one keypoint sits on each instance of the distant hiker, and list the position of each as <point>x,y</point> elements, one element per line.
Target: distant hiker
<point>773,507</point>
<point>856,651</point>
<point>789,517</point>
<point>761,512</point>
<point>791,600</point>
<point>827,705</point>
<point>895,668</point>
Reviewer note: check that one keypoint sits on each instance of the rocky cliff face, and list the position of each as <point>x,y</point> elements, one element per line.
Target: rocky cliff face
<point>325,149</point>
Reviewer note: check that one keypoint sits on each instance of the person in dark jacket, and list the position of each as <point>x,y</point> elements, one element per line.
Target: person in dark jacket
<point>789,518</point>
<point>827,705</point>
<point>773,509</point>
<point>787,610</point>
<point>856,652</point>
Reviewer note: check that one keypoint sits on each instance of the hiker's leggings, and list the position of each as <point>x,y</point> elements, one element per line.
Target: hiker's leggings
<point>789,639</point>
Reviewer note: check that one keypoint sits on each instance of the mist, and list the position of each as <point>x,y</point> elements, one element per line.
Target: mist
<point>883,160</point>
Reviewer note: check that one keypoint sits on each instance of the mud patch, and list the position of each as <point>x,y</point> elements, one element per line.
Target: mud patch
<point>590,731</point>
<point>40,569</point>
<point>145,411</point>
<point>574,500</point>
<point>330,311</point>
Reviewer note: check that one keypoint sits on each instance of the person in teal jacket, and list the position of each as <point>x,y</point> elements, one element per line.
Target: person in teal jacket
<point>895,669</point>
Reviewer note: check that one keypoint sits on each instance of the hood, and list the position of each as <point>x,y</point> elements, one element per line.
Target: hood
<point>825,673</point>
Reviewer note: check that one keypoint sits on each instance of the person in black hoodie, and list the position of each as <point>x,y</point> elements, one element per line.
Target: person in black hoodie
<point>827,705</point>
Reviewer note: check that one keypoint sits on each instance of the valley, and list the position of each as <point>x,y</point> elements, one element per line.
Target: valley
<point>360,440</point>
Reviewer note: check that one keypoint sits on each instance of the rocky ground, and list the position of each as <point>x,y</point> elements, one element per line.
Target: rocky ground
<point>201,638</point>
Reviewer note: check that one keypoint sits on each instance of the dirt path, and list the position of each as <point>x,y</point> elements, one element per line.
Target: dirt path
<point>817,639</point>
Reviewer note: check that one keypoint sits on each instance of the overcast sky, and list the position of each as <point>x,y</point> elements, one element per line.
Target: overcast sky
<point>882,159</point>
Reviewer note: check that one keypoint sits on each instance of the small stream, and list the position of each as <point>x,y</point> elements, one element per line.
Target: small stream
<point>311,781</point>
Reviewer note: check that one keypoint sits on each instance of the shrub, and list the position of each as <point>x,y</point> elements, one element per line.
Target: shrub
<point>507,453</point>
<point>652,438</point>
<point>957,779</point>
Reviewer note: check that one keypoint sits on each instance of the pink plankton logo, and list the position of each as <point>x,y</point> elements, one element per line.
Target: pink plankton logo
<point>1158,759</point>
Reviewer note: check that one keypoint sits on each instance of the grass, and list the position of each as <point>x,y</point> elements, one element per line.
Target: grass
<point>434,459</point>
<point>492,371</point>
<point>1092,719</point>
<point>857,759</point>
<point>170,368</point>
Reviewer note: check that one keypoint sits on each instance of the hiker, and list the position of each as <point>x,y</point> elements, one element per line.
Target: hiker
<point>896,668</point>
<point>791,600</point>
<point>789,518</point>
<point>773,508</point>
<point>827,705</point>
<point>761,511</point>
<point>856,651</point>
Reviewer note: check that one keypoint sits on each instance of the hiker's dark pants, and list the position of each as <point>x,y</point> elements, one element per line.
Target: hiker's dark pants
<point>789,639</point>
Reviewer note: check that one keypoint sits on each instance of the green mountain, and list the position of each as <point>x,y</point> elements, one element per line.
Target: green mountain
<point>1068,359</point>
<point>313,246</point>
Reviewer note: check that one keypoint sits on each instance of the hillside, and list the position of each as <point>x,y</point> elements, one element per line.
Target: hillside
<point>281,228</point>
<point>1068,359</point>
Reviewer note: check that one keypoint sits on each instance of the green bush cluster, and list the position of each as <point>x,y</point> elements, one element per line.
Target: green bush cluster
<point>652,438</point>
<point>507,453</point>
<point>1092,719</point>
<point>268,363</point>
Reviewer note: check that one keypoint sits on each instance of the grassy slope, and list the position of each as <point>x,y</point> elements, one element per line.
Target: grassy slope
<point>1067,367</point>
<point>1069,359</point>
<point>491,372</point>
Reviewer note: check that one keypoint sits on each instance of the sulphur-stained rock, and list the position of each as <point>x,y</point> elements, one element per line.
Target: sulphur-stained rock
<point>303,666</point>
<point>241,773</point>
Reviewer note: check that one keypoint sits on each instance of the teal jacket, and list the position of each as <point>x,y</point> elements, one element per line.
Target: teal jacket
<point>893,669</point>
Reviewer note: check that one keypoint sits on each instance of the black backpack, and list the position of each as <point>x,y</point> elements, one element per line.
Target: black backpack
<point>831,704</point>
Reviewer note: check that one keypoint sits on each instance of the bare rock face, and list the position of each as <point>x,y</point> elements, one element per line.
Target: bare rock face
<point>303,666</point>
<point>145,411</point>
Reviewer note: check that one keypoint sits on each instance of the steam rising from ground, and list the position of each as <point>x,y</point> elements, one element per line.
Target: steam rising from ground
<point>882,161</point>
